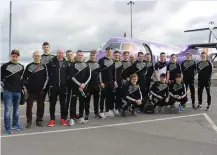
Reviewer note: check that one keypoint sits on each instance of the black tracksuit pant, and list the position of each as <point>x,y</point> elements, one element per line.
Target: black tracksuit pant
<point>128,104</point>
<point>147,89</point>
<point>190,84</point>
<point>182,101</point>
<point>75,93</point>
<point>54,92</point>
<point>93,89</point>
<point>68,101</point>
<point>159,102</point>
<point>117,98</point>
<point>106,96</point>
<point>201,85</point>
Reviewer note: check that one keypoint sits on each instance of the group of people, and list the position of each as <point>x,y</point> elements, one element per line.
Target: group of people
<point>116,86</point>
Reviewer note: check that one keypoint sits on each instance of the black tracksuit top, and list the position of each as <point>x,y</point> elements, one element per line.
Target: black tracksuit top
<point>126,69</point>
<point>11,74</point>
<point>118,71</point>
<point>150,69</point>
<point>160,89</point>
<point>174,69</point>
<point>205,70</point>
<point>177,89</point>
<point>46,58</point>
<point>95,70</point>
<point>189,68</point>
<point>131,92</point>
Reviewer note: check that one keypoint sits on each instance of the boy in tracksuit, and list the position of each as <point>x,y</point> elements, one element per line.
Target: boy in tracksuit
<point>177,92</point>
<point>131,95</point>
<point>80,74</point>
<point>189,69</point>
<point>107,84</point>
<point>93,87</point>
<point>118,79</point>
<point>126,67</point>
<point>160,92</point>
<point>205,70</point>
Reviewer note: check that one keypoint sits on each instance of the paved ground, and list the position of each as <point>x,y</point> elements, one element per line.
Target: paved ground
<point>191,133</point>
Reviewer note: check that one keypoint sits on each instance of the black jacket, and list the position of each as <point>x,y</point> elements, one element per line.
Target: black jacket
<point>118,70</point>
<point>57,74</point>
<point>189,69</point>
<point>46,58</point>
<point>35,77</point>
<point>79,72</point>
<point>95,70</point>
<point>126,69</point>
<point>205,70</point>
<point>177,89</point>
<point>159,89</point>
<point>150,70</point>
<point>107,68</point>
<point>174,69</point>
<point>11,76</point>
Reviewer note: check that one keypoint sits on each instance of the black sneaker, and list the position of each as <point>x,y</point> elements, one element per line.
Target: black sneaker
<point>193,106</point>
<point>133,112</point>
<point>40,123</point>
<point>199,106</point>
<point>208,108</point>
<point>86,118</point>
<point>123,113</point>
<point>28,125</point>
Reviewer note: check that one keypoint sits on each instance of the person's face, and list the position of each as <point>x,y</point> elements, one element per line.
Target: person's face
<point>141,57</point>
<point>37,57</point>
<point>126,56</point>
<point>203,57</point>
<point>80,56</point>
<point>134,80</point>
<point>117,56</point>
<point>93,57</point>
<point>147,58</point>
<point>70,56</point>
<point>162,57</point>
<point>173,58</point>
<point>60,54</point>
<point>132,58</point>
<point>163,79</point>
<point>178,80</point>
<point>14,58</point>
<point>108,53</point>
<point>46,48</point>
<point>188,56</point>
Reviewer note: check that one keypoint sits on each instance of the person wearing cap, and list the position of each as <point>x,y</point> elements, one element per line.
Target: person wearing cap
<point>189,69</point>
<point>11,73</point>
<point>35,79</point>
<point>205,71</point>
<point>160,93</point>
<point>57,71</point>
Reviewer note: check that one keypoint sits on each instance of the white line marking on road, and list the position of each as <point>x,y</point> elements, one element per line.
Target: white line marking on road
<point>212,124</point>
<point>97,127</point>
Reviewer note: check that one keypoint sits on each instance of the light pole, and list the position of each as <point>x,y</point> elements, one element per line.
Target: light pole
<point>131,3</point>
<point>10,23</point>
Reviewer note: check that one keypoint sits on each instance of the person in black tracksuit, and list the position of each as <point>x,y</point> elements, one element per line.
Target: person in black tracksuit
<point>160,67</point>
<point>107,83</point>
<point>178,93</point>
<point>126,67</point>
<point>46,57</point>
<point>173,68</point>
<point>70,60</point>
<point>80,74</point>
<point>140,68</point>
<point>205,70</point>
<point>131,95</point>
<point>35,71</point>
<point>189,69</point>
<point>160,92</point>
<point>149,75</point>
<point>93,87</point>
<point>57,70</point>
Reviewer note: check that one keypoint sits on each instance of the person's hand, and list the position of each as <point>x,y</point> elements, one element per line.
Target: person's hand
<point>116,85</point>
<point>167,100</point>
<point>123,81</point>
<point>138,102</point>
<point>24,90</point>
<point>179,97</point>
<point>82,86</point>
<point>160,97</point>
<point>102,85</point>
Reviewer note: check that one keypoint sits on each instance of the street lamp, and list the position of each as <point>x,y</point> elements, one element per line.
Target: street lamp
<point>131,3</point>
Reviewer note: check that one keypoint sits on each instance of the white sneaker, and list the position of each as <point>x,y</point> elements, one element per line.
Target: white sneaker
<point>116,112</point>
<point>102,115</point>
<point>82,121</point>
<point>110,113</point>
<point>71,122</point>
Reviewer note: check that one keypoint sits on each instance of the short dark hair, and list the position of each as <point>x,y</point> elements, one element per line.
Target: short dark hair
<point>173,55</point>
<point>45,44</point>
<point>162,53</point>
<point>68,51</point>
<point>147,54</point>
<point>203,53</point>
<point>178,76</point>
<point>140,53</point>
<point>108,48</point>
<point>116,51</point>
<point>133,76</point>
<point>79,51</point>
<point>126,52</point>
<point>163,75</point>
<point>93,52</point>
<point>188,53</point>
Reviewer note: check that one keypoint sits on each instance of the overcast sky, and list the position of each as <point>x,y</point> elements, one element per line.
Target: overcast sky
<point>86,24</point>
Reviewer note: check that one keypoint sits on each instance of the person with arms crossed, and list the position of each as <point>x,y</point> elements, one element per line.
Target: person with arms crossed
<point>35,79</point>
<point>80,74</point>
<point>205,70</point>
<point>57,71</point>
<point>11,74</point>
<point>189,69</point>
